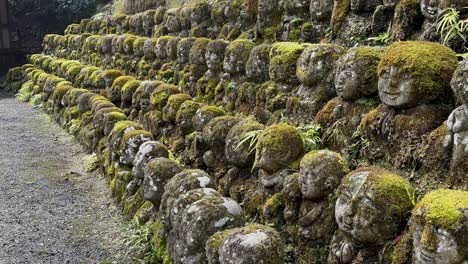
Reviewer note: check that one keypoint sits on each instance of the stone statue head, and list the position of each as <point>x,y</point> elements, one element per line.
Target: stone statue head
<point>415,72</point>
<point>215,55</point>
<point>278,146</point>
<point>148,151</point>
<point>236,56</point>
<point>356,74</point>
<point>269,15</point>
<point>439,225</point>
<point>431,8</point>
<point>321,10</point>
<point>283,61</point>
<point>171,48</point>
<point>159,15</point>
<point>459,82</point>
<point>248,13</point>
<point>160,47</point>
<point>317,64</point>
<point>320,173</point>
<point>183,50</point>
<point>197,57</point>
<point>131,144</point>
<point>157,173</point>
<point>201,12</point>
<point>358,6</point>
<point>364,197</point>
<point>148,48</point>
<point>258,63</point>
<point>183,16</point>
<point>171,21</point>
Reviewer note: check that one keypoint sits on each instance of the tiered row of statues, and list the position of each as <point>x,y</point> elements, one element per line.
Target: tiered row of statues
<point>202,129</point>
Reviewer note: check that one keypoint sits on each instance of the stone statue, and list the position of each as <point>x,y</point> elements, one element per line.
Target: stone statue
<point>364,196</point>
<point>268,17</point>
<point>438,226</point>
<point>415,99</point>
<point>319,175</point>
<point>316,71</point>
<point>356,86</point>
<point>295,13</point>
<point>320,14</point>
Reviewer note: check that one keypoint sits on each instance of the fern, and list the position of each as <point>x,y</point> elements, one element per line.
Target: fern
<point>383,38</point>
<point>450,27</point>
<point>252,138</point>
<point>311,136</point>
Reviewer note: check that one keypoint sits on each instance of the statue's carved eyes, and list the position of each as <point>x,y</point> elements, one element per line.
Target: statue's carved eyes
<point>385,74</point>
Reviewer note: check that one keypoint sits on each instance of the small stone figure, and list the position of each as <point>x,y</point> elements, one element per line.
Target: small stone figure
<point>295,13</point>
<point>438,226</point>
<point>316,69</point>
<point>157,172</point>
<point>320,14</point>
<point>214,61</point>
<point>201,20</point>
<point>198,66</point>
<point>364,196</point>
<point>268,17</point>
<point>279,147</point>
<point>319,175</point>
<point>414,80</point>
<point>457,125</point>
<point>356,86</point>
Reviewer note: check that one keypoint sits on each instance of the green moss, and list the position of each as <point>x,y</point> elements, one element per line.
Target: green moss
<point>136,133</point>
<point>430,64</point>
<point>159,243</point>
<point>341,10</point>
<point>393,193</point>
<point>133,203</point>
<point>139,42</point>
<point>274,137</point>
<point>131,86</point>
<point>444,207</point>
<point>273,210</point>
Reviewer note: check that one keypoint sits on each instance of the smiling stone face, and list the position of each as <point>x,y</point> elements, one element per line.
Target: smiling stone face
<point>439,224</point>
<point>356,75</point>
<point>415,72</point>
<point>364,196</point>
<point>431,8</point>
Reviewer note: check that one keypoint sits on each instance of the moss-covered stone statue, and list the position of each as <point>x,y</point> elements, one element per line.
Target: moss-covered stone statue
<point>268,18</point>
<point>230,30</point>
<point>320,14</point>
<point>157,172</point>
<point>182,66</point>
<point>197,61</point>
<point>316,69</point>
<point>438,228</point>
<point>372,207</point>
<point>250,244</point>
<point>235,59</point>
<point>414,79</point>
<point>206,85</point>
<point>295,13</point>
<point>171,22</point>
<point>167,71</point>
<point>201,21</point>
<point>279,147</point>
<point>351,22</point>
<point>356,88</point>
<point>273,95</point>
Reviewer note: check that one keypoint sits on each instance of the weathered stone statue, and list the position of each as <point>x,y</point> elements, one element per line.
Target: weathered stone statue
<point>413,96</point>
<point>183,52</point>
<point>438,227</point>
<point>295,13</point>
<point>356,88</point>
<point>320,14</point>
<point>245,245</point>
<point>157,172</point>
<point>457,125</point>
<point>268,17</point>
<point>201,20</point>
<point>278,148</point>
<point>320,174</point>
<point>364,197</point>
<point>214,61</point>
<point>198,66</point>
<point>183,16</point>
<point>171,22</point>
<point>235,59</point>
<point>316,71</point>
<point>230,29</point>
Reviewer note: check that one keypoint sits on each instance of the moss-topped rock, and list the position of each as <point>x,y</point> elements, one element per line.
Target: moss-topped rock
<point>185,114</point>
<point>204,115</point>
<point>278,146</point>
<point>114,93</point>
<point>283,60</point>
<point>173,104</point>
<point>241,155</point>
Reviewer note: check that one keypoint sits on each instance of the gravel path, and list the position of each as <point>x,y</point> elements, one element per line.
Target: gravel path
<point>51,211</point>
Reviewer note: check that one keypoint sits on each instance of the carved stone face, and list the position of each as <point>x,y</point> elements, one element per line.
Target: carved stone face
<point>268,10</point>
<point>171,48</point>
<point>161,48</point>
<point>236,56</point>
<point>356,76</point>
<point>200,13</point>
<point>171,22</point>
<point>364,197</point>
<point>446,251</point>
<point>397,88</point>
<point>431,8</point>
<point>317,64</point>
<point>439,225</point>
<point>148,49</point>
<point>320,9</point>
<point>364,5</point>
<point>183,16</point>
<point>215,55</point>
<point>320,173</point>
<point>258,63</point>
